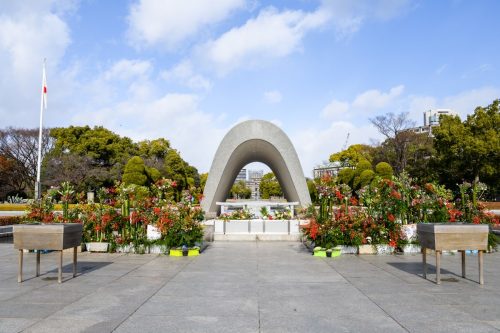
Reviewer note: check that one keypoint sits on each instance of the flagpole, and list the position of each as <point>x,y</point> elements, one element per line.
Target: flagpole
<point>38,186</point>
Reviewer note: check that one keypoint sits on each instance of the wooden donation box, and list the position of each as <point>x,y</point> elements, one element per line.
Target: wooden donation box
<point>453,236</point>
<point>57,237</point>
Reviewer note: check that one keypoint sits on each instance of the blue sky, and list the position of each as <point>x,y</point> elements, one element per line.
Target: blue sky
<point>190,70</point>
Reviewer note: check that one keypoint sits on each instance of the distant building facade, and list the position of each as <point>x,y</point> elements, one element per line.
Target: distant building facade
<point>327,169</point>
<point>431,119</point>
<point>254,179</point>
<point>242,176</point>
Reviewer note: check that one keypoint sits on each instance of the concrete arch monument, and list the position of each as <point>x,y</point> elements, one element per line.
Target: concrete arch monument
<point>255,141</point>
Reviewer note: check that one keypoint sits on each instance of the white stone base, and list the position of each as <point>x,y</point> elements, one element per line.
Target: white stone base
<point>257,237</point>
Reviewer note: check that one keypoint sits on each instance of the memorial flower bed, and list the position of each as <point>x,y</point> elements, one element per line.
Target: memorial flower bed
<point>384,212</point>
<point>123,214</point>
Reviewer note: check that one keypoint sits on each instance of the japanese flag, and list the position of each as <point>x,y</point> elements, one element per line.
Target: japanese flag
<point>44,88</point>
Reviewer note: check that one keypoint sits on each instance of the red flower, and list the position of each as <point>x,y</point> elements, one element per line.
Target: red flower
<point>395,194</point>
<point>476,220</point>
<point>354,201</point>
<point>106,218</point>
<point>454,213</point>
<point>135,218</point>
<point>392,243</point>
<point>174,184</point>
<point>314,230</point>
<point>391,217</point>
<point>339,195</point>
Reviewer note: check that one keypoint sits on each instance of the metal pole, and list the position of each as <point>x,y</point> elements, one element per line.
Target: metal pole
<point>38,186</point>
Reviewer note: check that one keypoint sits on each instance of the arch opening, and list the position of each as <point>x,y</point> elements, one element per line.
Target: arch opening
<point>255,141</point>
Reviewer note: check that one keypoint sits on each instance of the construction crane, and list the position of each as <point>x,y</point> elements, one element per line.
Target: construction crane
<point>346,141</point>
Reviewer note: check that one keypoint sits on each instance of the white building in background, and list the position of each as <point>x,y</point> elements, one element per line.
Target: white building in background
<point>242,176</point>
<point>254,179</point>
<point>327,168</point>
<point>431,119</point>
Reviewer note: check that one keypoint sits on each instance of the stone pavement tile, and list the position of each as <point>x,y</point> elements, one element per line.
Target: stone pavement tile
<point>197,306</point>
<point>72,324</point>
<point>305,289</point>
<point>407,298</point>
<point>435,318</point>
<point>47,297</point>
<point>329,324</point>
<point>446,326</point>
<point>200,277</point>
<point>27,310</point>
<point>495,324</point>
<point>472,297</point>
<point>349,302</point>
<point>481,312</point>
<point>209,288</point>
<point>113,269</point>
<point>190,323</point>
<point>14,325</point>
<point>375,284</point>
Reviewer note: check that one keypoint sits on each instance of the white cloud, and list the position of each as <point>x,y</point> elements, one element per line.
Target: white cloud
<point>128,69</point>
<point>176,117</point>
<point>29,32</point>
<point>335,109</point>
<point>375,99</point>
<point>273,96</point>
<point>184,74</point>
<point>348,16</point>
<point>169,22</point>
<point>271,34</point>
<point>315,145</point>
<point>466,102</point>
<point>369,100</point>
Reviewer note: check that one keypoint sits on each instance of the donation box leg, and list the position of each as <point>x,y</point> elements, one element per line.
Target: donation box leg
<point>438,267</point>
<point>424,261</point>
<point>480,257</point>
<point>59,272</point>
<point>463,263</point>
<point>37,262</point>
<point>74,261</point>
<point>20,269</point>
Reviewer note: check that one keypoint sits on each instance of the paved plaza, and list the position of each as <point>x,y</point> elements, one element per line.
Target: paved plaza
<point>247,287</point>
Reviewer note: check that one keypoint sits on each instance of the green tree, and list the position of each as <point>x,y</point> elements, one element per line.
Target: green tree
<point>470,150</point>
<point>384,170</point>
<point>156,149</point>
<point>135,172</point>
<point>353,155</point>
<point>99,143</point>
<point>365,177</point>
<point>153,175</point>
<point>175,169</point>
<point>203,181</point>
<point>398,138</point>
<point>345,176</point>
<point>270,187</point>
<point>360,168</point>
<point>240,190</point>
<point>313,192</point>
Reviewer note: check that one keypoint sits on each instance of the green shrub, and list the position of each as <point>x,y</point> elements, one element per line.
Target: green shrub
<point>366,177</point>
<point>384,170</point>
<point>135,172</point>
